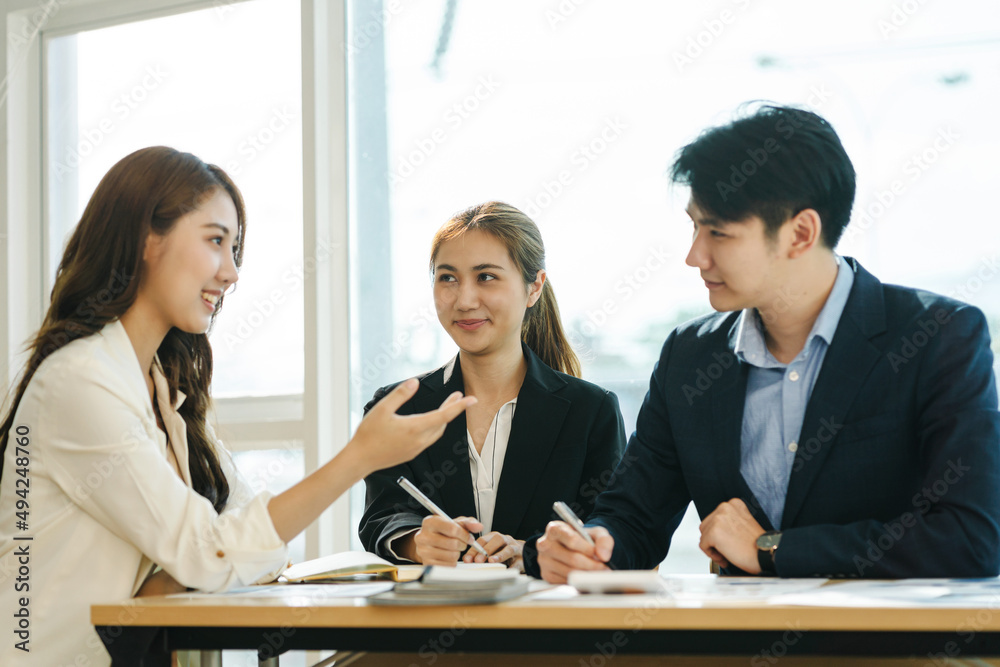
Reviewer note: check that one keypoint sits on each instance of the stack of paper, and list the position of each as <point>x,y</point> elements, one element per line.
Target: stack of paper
<point>449,585</point>
<point>618,581</point>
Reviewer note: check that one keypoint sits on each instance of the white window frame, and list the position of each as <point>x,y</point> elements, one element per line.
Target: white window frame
<point>320,417</point>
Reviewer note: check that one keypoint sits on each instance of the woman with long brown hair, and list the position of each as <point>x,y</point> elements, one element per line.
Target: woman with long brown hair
<point>109,465</point>
<point>537,434</point>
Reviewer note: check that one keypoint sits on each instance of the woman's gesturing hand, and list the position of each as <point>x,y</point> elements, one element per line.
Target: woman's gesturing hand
<point>386,439</point>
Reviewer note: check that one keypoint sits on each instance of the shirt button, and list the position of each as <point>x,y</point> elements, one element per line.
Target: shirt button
<point>793,446</point>
<point>793,376</point>
<point>220,553</point>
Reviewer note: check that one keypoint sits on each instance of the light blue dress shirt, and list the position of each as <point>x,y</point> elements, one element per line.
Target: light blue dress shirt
<point>777,395</point>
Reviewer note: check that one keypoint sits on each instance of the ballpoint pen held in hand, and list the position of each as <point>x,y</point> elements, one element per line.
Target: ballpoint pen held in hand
<point>570,517</point>
<point>434,509</point>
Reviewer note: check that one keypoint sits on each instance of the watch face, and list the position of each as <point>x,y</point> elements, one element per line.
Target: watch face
<point>768,541</point>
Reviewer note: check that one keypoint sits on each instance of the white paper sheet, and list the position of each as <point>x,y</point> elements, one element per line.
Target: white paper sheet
<point>901,593</point>
<point>313,591</point>
<point>709,587</point>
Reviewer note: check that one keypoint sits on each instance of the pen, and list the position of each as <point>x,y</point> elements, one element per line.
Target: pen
<point>434,509</point>
<point>570,517</point>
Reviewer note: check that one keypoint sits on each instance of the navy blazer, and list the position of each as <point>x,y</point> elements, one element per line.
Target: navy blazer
<point>566,438</point>
<point>897,473</point>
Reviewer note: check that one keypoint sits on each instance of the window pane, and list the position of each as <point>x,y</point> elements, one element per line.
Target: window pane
<point>224,84</point>
<point>276,470</point>
<point>573,112</point>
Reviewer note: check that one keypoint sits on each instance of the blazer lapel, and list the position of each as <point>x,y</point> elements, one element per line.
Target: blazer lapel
<point>728,400</point>
<point>538,419</point>
<point>846,366</point>
<point>174,424</point>
<point>452,449</point>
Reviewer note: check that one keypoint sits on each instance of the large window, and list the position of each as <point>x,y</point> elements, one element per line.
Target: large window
<point>255,86</point>
<point>572,111</point>
<point>569,110</point>
<point>114,90</point>
<point>200,82</point>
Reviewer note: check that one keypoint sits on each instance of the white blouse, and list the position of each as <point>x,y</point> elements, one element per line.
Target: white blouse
<point>109,495</point>
<point>484,467</point>
<point>487,466</point>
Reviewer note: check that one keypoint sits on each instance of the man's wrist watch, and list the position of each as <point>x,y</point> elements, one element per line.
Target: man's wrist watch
<point>767,545</point>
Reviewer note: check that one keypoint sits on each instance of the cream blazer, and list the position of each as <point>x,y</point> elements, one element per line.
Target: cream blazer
<point>109,496</point>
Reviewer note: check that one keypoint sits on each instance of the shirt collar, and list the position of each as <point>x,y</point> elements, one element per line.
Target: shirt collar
<point>449,368</point>
<point>750,346</point>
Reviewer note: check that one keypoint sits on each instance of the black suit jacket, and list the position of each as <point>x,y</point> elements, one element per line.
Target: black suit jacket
<point>566,438</point>
<point>897,473</point>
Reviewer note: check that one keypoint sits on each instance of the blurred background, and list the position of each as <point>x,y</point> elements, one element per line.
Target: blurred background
<point>571,110</point>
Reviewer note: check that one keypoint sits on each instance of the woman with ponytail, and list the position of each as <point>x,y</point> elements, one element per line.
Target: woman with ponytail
<point>113,484</point>
<point>537,434</point>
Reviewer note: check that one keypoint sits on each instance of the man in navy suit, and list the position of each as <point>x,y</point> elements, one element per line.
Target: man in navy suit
<point>823,423</point>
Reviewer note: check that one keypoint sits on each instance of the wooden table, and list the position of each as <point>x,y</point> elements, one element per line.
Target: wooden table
<point>594,627</point>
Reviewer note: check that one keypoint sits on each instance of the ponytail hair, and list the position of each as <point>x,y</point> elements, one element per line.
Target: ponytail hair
<point>542,329</point>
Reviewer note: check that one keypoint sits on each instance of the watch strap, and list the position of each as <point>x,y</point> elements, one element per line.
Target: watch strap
<point>765,558</point>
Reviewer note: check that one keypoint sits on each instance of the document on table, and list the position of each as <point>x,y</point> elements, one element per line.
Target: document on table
<point>553,593</point>
<point>312,591</point>
<point>695,589</point>
<point>863,594</point>
<point>900,593</point>
<point>602,582</point>
<point>712,588</point>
